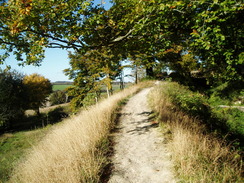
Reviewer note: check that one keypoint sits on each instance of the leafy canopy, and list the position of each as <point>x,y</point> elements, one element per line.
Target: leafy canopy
<point>209,34</point>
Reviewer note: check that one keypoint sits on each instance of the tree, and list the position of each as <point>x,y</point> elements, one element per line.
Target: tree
<point>38,88</point>
<point>217,39</point>
<point>148,31</point>
<point>12,98</point>
<point>90,71</point>
<point>28,26</point>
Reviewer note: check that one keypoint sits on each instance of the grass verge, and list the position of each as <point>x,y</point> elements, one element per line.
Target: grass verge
<point>199,155</point>
<point>13,146</point>
<point>74,151</point>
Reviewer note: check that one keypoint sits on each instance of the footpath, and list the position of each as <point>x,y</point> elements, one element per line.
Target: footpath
<point>140,155</point>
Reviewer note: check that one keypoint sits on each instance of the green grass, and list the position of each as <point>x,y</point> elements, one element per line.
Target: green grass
<point>13,146</point>
<point>27,132</point>
<point>60,87</point>
<point>63,87</point>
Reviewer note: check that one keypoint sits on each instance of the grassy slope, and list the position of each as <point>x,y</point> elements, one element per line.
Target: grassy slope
<point>199,155</point>
<point>27,132</point>
<point>74,151</point>
<point>13,146</point>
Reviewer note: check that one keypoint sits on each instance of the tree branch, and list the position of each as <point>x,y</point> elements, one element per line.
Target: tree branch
<point>122,37</point>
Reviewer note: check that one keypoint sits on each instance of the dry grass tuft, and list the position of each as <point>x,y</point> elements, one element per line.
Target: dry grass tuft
<point>198,155</point>
<point>70,153</point>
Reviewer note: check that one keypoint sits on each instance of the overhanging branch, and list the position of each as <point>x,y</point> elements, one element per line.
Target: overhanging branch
<point>122,37</point>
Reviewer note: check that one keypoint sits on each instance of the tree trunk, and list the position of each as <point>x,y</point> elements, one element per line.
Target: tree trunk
<point>149,72</point>
<point>37,110</point>
<point>108,93</point>
<point>136,76</point>
<point>149,68</point>
<point>121,81</point>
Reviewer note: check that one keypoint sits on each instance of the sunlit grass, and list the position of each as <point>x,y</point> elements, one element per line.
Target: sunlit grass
<point>60,87</point>
<point>13,146</point>
<point>73,151</point>
<point>199,156</point>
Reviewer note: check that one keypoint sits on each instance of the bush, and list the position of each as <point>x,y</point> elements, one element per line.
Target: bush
<point>227,93</point>
<point>57,115</point>
<point>190,102</point>
<point>223,121</point>
<point>57,97</point>
<point>234,119</point>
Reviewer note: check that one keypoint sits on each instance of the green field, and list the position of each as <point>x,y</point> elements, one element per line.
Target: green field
<point>60,87</point>
<point>56,87</point>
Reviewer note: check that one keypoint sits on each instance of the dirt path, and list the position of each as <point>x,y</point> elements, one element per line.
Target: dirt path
<point>140,155</point>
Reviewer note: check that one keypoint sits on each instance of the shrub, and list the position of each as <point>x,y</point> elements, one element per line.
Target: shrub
<point>234,119</point>
<point>193,103</point>
<point>226,122</point>
<point>227,93</point>
<point>57,97</point>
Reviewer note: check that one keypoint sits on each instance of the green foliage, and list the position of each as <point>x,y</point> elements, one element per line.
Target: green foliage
<point>12,98</point>
<point>90,72</point>
<point>234,119</point>
<point>181,35</point>
<point>30,26</point>
<point>226,122</point>
<point>89,100</point>
<point>217,35</point>
<point>57,97</point>
<point>227,93</point>
<point>194,104</point>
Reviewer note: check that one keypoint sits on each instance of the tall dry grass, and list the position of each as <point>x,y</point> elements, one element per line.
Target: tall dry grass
<point>198,155</point>
<point>71,152</point>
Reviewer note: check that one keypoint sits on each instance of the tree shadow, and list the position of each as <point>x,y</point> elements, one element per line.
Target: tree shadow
<point>38,121</point>
<point>148,113</point>
<point>143,129</point>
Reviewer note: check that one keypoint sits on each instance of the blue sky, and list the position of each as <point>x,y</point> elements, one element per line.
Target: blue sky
<point>56,60</point>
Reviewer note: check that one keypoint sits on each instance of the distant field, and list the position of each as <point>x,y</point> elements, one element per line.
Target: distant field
<point>60,87</point>
<point>56,87</point>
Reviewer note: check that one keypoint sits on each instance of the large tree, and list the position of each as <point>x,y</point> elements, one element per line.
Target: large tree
<point>148,31</point>
<point>90,72</point>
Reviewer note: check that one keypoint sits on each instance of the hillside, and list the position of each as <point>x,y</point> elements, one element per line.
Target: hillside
<point>122,139</point>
